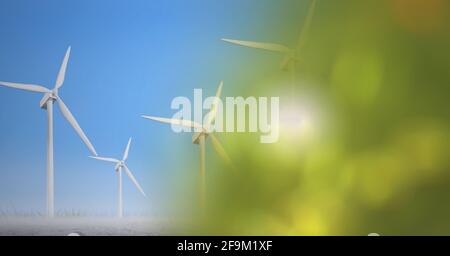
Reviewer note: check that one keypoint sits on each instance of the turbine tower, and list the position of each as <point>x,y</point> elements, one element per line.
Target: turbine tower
<point>120,165</point>
<point>199,138</point>
<point>290,54</point>
<point>50,96</point>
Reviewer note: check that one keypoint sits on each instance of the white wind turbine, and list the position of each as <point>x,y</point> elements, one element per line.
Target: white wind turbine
<point>120,165</point>
<point>46,102</point>
<point>290,54</point>
<point>199,137</point>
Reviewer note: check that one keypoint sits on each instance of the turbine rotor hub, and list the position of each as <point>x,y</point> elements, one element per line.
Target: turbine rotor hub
<point>197,135</point>
<point>48,96</point>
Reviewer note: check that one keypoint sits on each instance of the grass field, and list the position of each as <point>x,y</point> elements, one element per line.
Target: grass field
<point>83,225</point>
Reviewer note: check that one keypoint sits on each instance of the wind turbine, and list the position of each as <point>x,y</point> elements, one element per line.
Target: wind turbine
<point>120,165</point>
<point>199,137</point>
<point>50,96</point>
<point>290,54</point>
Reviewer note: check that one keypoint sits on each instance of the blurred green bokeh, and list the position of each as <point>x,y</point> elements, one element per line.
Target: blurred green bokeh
<point>364,140</point>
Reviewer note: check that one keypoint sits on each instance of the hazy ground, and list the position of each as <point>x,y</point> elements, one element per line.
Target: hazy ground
<point>88,226</point>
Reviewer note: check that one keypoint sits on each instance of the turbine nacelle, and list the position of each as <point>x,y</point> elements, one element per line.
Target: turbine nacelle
<point>119,165</point>
<point>52,95</point>
<point>197,135</point>
<point>288,61</point>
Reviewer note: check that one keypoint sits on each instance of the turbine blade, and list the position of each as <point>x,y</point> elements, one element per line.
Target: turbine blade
<point>62,70</point>
<point>186,123</point>
<point>107,159</point>
<point>27,87</point>
<point>220,150</point>
<point>259,45</point>
<point>202,155</point>
<point>305,30</point>
<point>213,112</point>
<point>127,149</point>
<point>71,119</point>
<point>219,90</point>
<point>130,175</point>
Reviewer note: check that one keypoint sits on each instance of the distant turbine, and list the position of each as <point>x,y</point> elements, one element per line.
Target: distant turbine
<point>199,137</point>
<point>51,96</point>
<point>290,54</point>
<point>120,164</point>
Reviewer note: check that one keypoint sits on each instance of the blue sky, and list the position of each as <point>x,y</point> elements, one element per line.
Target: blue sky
<point>128,58</point>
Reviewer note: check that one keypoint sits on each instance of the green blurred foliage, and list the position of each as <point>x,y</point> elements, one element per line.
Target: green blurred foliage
<point>369,150</point>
